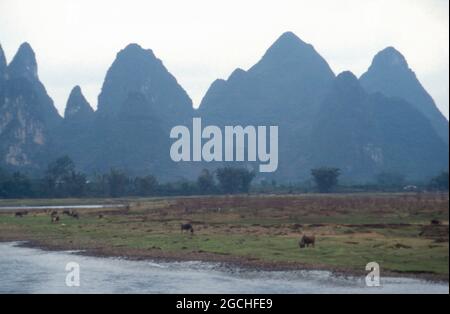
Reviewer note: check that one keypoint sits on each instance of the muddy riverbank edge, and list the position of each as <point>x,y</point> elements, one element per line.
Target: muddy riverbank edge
<point>225,261</point>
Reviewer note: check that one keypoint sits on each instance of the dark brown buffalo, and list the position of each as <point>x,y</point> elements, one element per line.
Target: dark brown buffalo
<point>306,241</point>
<point>21,214</point>
<point>187,227</point>
<point>72,213</point>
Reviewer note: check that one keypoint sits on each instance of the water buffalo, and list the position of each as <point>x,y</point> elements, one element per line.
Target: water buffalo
<point>187,227</point>
<point>21,214</point>
<point>72,213</point>
<point>75,215</point>
<point>306,241</point>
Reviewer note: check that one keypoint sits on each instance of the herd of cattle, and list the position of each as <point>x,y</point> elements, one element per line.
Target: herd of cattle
<point>305,242</point>
<point>54,217</point>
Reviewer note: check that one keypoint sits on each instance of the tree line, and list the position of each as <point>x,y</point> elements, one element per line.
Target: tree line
<point>62,180</point>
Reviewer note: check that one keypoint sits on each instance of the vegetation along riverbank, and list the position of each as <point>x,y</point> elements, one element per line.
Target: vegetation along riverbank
<point>407,234</point>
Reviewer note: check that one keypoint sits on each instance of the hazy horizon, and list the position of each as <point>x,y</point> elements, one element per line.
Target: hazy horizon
<point>199,41</point>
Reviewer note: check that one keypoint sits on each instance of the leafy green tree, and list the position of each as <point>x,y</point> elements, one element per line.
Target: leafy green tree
<point>16,185</point>
<point>61,167</point>
<point>326,178</point>
<point>206,183</point>
<point>3,178</point>
<point>62,180</point>
<point>246,179</point>
<point>76,184</point>
<point>146,186</point>
<point>186,188</point>
<point>234,180</point>
<point>117,183</point>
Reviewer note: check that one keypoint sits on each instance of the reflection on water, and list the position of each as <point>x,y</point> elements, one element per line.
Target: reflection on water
<point>25,270</point>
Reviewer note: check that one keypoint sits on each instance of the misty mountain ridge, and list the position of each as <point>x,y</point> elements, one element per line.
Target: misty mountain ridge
<point>390,74</point>
<point>78,109</point>
<point>291,75</point>
<point>370,134</point>
<point>28,116</point>
<point>383,122</point>
<point>3,65</point>
<point>137,70</point>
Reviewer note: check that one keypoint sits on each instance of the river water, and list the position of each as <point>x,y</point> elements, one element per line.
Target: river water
<point>11,208</point>
<point>27,270</point>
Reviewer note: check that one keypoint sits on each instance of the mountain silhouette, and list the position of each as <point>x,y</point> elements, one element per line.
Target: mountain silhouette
<point>366,134</point>
<point>27,114</point>
<point>139,103</point>
<point>284,88</point>
<point>137,70</point>
<point>390,74</point>
<point>383,122</point>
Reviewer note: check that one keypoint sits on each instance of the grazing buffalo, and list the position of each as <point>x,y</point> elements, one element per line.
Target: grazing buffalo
<point>306,241</point>
<point>55,219</point>
<point>187,227</point>
<point>72,213</point>
<point>21,214</point>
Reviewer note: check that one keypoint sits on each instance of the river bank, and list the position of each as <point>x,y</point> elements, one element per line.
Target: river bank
<point>225,262</point>
<point>259,233</point>
<point>28,270</point>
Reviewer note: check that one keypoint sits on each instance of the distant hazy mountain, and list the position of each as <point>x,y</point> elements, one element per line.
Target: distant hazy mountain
<point>140,102</point>
<point>27,114</point>
<point>78,110</point>
<point>366,134</point>
<point>3,65</point>
<point>325,121</point>
<point>74,134</point>
<point>285,85</point>
<point>137,70</point>
<point>385,122</point>
<point>3,73</point>
<point>284,88</point>
<point>391,75</point>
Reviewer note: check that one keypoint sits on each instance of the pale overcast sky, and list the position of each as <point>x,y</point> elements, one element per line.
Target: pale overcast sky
<point>200,40</point>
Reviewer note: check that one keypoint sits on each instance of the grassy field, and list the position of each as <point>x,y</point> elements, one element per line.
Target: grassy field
<point>260,231</point>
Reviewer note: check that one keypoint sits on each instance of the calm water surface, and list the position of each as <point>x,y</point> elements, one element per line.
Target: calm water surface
<point>26,270</point>
<point>10,208</point>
